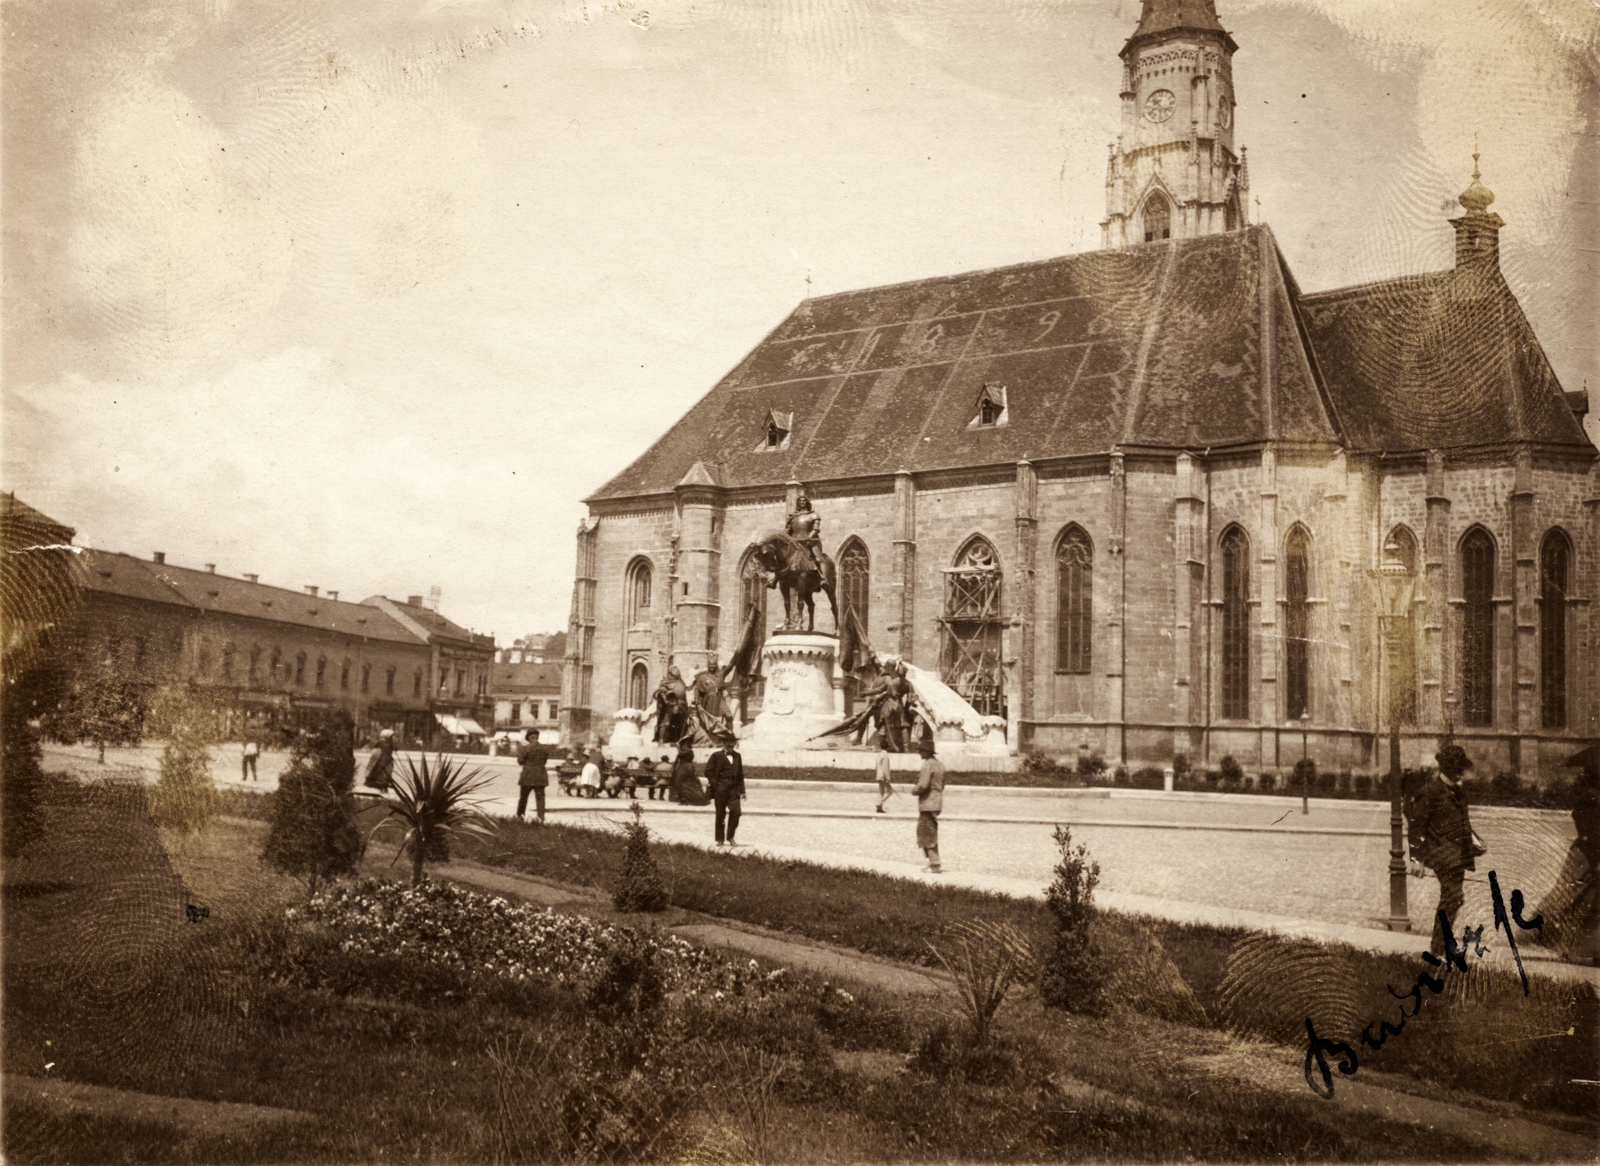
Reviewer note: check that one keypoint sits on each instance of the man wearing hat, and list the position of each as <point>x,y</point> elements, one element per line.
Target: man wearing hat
<point>725,780</point>
<point>533,778</point>
<point>930,800</point>
<point>1442,837</point>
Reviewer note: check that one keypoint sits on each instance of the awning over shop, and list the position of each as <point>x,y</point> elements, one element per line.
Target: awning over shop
<point>459,726</point>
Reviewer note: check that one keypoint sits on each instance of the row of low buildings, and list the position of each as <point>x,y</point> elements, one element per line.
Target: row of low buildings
<point>274,659</point>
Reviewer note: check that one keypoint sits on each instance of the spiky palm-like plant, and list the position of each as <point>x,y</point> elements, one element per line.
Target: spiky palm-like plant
<point>985,959</point>
<point>435,804</point>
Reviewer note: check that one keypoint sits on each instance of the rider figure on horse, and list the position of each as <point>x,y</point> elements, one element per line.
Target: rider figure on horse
<point>805,527</point>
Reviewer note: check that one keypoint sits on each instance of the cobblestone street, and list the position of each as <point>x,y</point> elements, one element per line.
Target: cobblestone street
<point>1229,851</point>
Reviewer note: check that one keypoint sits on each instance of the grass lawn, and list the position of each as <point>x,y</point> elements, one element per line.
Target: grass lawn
<point>107,980</point>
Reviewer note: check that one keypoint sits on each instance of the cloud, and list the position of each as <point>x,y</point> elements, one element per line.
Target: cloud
<point>284,468</point>
<point>173,249</point>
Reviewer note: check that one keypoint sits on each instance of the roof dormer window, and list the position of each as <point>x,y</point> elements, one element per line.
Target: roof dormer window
<point>775,430</point>
<point>991,408</point>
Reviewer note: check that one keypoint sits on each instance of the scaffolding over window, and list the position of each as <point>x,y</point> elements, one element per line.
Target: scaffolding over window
<point>971,626</point>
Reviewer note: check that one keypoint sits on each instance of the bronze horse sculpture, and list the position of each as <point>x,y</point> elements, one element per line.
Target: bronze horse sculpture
<point>790,568</point>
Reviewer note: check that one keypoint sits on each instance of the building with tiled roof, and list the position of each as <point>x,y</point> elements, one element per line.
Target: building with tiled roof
<point>1138,501</point>
<point>526,693</point>
<point>458,666</point>
<point>271,658</point>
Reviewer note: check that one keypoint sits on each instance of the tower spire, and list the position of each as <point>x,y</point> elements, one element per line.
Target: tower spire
<point>1177,91</point>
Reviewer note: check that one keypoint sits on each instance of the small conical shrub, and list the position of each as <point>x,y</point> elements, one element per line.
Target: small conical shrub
<point>639,885</point>
<point>1072,975</point>
<point>184,799</point>
<point>313,834</point>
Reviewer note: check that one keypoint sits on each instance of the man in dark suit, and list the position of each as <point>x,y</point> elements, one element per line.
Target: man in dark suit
<point>725,780</point>
<point>1442,837</point>
<point>534,778</point>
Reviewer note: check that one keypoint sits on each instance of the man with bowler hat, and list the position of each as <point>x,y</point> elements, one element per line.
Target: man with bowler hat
<point>930,800</point>
<point>1441,836</point>
<point>534,777</point>
<point>725,780</point>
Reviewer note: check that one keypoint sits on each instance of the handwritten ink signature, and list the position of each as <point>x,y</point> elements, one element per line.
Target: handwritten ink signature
<point>1319,1048</point>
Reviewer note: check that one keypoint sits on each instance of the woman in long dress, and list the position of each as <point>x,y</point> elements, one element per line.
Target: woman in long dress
<point>686,787</point>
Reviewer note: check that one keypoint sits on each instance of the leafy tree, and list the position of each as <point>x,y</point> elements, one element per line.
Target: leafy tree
<point>313,834</point>
<point>1073,972</point>
<point>40,584</point>
<point>639,885</point>
<point>435,804</point>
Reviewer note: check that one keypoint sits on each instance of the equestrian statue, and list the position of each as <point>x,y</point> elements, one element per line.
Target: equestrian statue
<point>793,561</point>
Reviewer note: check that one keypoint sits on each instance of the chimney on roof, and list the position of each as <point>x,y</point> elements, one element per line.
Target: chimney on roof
<point>333,595</point>
<point>253,578</point>
<point>311,590</point>
<point>158,556</point>
<point>413,601</point>
<point>211,568</point>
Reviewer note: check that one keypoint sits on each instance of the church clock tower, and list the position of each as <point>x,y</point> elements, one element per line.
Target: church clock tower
<point>1173,172</point>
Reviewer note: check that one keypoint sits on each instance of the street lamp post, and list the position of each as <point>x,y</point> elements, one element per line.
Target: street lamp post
<point>1305,770</point>
<point>1394,584</point>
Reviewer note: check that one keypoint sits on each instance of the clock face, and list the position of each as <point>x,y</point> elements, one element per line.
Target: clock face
<point>1224,113</point>
<point>1159,105</point>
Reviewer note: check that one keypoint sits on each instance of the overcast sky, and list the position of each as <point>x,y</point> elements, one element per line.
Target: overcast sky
<point>370,295</point>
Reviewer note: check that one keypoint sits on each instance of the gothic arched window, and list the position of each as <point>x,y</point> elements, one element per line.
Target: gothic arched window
<point>639,686</point>
<point>972,619</point>
<point>300,668</point>
<point>1477,628</point>
<point>1297,623</point>
<point>855,591</point>
<point>1235,624</point>
<point>322,669</point>
<point>1403,660</point>
<point>366,677</point>
<point>1555,554</point>
<point>638,591</point>
<point>344,674</point>
<point>1157,217</point>
<point>1074,601</point>
<point>855,587</point>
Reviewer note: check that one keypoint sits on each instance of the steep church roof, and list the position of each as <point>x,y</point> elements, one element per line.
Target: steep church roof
<point>1437,361</point>
<point>1183,343</point>
<point>1160,17</point>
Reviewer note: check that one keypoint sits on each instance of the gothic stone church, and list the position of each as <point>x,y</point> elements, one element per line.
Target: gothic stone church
<point>1136,500</point>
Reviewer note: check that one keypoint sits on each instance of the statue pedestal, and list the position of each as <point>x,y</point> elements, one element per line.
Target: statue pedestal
<point>627,739</point>
<point>799,699</point>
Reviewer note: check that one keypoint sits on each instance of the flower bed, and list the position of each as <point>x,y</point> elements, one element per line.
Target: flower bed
<point>484,935</point>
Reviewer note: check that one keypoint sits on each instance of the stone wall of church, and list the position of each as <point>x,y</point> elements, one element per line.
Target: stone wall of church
<point>1156,526</point>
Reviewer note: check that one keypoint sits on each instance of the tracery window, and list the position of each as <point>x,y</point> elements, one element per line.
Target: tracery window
<point>638,591</point>
<point>1554,557</point>
<point>1477,628</point>
<point>971,623</point>
<point>1157,218</point>
<point>639,686</point>
<point>855,592</point>
<point>1403,646</point>
<point>1235,624</point>
<point>1074,601</point>
<point>1297,622</point>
